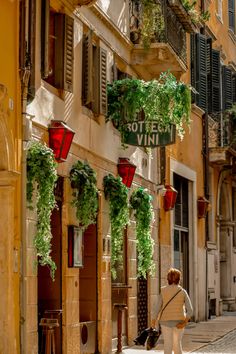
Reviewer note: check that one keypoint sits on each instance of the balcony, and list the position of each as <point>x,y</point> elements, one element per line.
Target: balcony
<point>167,50</point>
<point>222,139</point>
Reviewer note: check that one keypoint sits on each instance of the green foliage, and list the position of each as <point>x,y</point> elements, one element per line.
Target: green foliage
<point>195,16</point>
<point>165,101</point>
<point>152,22</point>
<point>140,201</point>
<point>117,194</point>
<point>84,182</point>
<point>41,169</point>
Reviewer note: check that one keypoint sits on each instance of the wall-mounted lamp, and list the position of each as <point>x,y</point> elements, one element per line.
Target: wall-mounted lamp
<point>202,207</point>
<point>60,139</point>
<point>126,171</point>
<point>170,197</point>
<point>161,190</point>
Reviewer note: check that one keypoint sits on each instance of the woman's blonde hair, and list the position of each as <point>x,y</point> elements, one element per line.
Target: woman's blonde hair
<point>173,276</point>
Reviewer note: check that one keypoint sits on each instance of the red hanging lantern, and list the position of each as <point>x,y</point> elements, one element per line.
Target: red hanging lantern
<point>170,197</point>
<point>60,139</point>
<point>126,171</point>
<point>202,207</point>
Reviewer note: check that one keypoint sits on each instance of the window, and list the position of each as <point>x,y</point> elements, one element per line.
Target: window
<point>94,81</point>
<point>219,9</point>
<point>215,83</point>
<point>234,215</point>
<point>57,33</point>
<point>231,12</point>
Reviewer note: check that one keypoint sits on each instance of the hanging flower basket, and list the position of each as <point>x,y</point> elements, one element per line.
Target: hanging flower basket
<point>149,108</point>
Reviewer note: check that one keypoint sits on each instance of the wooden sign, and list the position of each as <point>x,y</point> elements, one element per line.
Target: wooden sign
<point>145,134</point>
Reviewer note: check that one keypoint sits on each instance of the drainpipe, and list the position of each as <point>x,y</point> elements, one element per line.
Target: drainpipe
<point>25,71</point>
<point>206,175</point>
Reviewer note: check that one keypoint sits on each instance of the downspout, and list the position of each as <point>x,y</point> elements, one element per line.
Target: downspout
<point>25,77</point>
<point>206,176</point>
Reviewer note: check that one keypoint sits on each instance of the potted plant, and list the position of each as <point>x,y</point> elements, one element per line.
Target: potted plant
<point>164,101</point>
<point>140,202</point>
<point>85,193</point>
<point>41,178</point>
<point>117,194</point>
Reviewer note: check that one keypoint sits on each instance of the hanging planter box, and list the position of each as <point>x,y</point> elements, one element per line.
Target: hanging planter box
<point>182,15</point>
<point>138,135</point>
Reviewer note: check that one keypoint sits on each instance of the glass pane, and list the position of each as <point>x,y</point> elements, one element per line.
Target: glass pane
<point>176,250</point>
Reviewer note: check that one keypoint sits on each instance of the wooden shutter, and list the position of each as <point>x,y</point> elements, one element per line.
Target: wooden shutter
<point>234,88</point>
<point>209,74</point>
<point>68,53</point>
<point>87,67</point>
<point>227,87</point>
<point>45,13</point>
<point>193,64</point>
<point>216,86</point>
<point>231,10</point>
<point>103,81</point>
<point>64,45</point>
<point>201,71</point>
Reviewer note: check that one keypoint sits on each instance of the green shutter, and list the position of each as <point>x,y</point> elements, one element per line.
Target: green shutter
<point>209,75</point>
<point>234,88</point>
<point>193,65</point>
<point>227,87</point>
<point>45,13</point>
<point>87,70</point>
<point>201,71</point>
<point>216,86</point>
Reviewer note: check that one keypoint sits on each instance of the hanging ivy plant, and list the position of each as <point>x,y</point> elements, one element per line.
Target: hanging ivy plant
<point>165,101</point>
<point>42,174</point>
<point>140,201</point>
<point>117,194</point>
<point>84,182</point>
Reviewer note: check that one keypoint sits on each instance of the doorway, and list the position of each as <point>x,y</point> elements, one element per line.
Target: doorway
<point>88,292</point>
<point>181,229</point>
<point>49,291</point>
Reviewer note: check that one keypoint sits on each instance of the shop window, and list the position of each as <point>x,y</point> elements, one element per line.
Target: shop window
<point>57,33</point>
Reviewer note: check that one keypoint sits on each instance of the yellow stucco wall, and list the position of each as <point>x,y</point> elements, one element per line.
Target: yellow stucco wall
<point>10,160</point>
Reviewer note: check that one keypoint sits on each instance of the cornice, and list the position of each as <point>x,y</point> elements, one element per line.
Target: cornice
<point>109,24</point>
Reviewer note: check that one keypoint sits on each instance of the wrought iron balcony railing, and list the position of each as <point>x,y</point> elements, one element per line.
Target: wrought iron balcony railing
<point>170,31</point>
<point>222,131</point>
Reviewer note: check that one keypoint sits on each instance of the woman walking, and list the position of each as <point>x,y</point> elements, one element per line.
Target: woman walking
<point>174,312</point>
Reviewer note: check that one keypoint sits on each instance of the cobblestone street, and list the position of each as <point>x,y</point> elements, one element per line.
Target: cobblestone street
<point>227,344</point>
<point>214,336</point>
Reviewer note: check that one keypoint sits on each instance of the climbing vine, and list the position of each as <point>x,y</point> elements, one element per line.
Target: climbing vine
<point>117,194</point>
<point>140,202</point>
<point>85,195</point>
<point>41,178</point>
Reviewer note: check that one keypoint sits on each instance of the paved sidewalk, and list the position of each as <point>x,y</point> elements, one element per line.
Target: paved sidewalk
<point>197,335</point>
